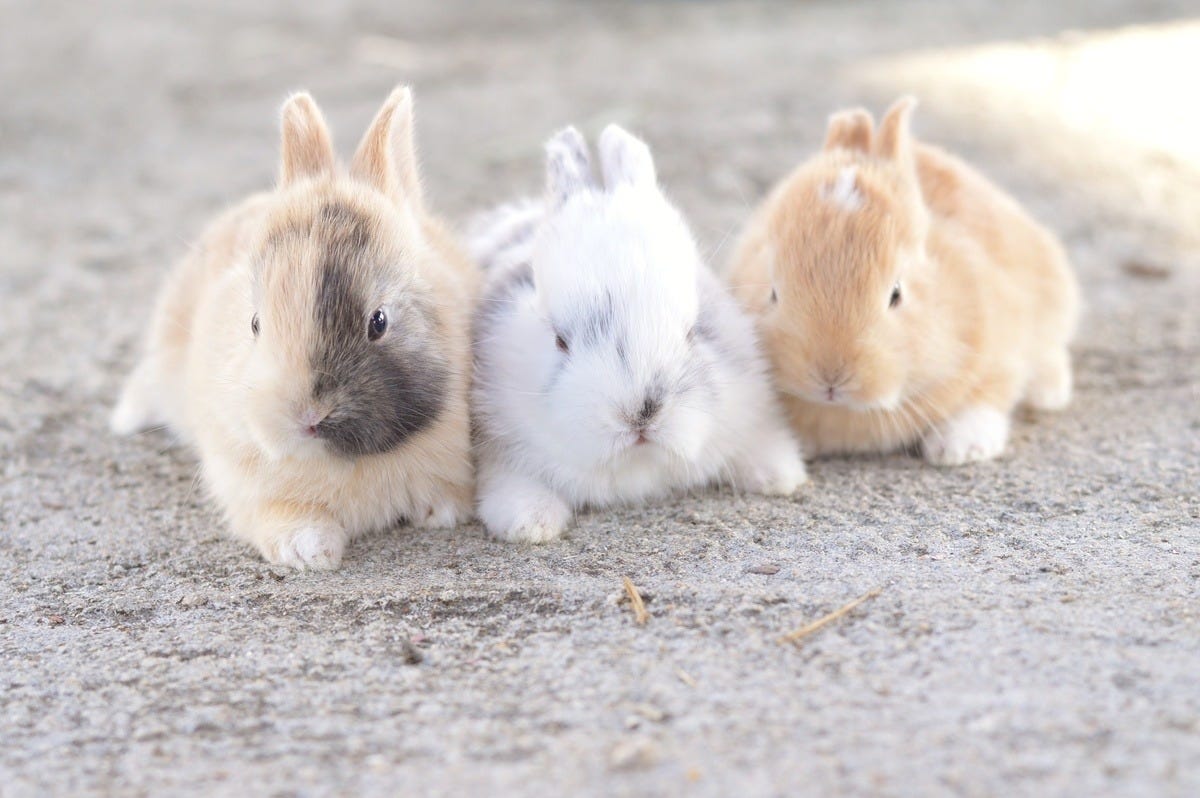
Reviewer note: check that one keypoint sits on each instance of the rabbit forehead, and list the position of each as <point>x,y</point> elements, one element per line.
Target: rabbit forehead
<point>838,232</point>
<point>631,245</point>
<point>313,230</point>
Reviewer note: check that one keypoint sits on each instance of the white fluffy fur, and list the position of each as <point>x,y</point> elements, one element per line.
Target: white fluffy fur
<point>976,433</point>
<point>844,192</point>
<point>616,271</point>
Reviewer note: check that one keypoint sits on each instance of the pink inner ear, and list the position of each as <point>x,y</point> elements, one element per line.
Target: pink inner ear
<point>386,157</point>
<point>894,131</point>
<point>306,147</point>
<point>625,159</point>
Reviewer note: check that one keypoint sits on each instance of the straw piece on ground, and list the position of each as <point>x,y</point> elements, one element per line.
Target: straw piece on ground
<point>640,616</point>
<point>822,622</point>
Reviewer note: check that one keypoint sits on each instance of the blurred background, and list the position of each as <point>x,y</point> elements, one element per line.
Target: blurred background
<point>125,124</point>
<point>1037,631</point>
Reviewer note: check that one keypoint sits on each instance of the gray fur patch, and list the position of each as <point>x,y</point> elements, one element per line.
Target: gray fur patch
<point>382,391</point>
<point>518,235</point>
<point>597,326</point>
<point>497,302</point>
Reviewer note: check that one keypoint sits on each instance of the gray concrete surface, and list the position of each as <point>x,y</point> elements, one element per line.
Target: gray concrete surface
<point>1037,630</point>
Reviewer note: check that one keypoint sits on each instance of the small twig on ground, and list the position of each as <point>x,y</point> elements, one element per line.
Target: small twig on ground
<point>822,622</point>
<point>640,616</point>
<point>685,677</point>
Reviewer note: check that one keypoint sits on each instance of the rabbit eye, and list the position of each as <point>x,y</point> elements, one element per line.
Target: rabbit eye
<point>378,325</point>
<point>561,343</point>
<point>254,325</point>
<point>895,300</point>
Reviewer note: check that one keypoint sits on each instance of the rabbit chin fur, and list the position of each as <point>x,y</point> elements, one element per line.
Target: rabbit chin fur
<point>309,432</point>
<point>610,364</point>
<point>903,298</point>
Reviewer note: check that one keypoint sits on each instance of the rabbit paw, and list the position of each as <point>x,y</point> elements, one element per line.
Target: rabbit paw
<point>316,547</point>
<point>521,511</point>
<point>780,478</point>
<point>1050,388</point>
<point>977,433</point>
<point>443,514</point>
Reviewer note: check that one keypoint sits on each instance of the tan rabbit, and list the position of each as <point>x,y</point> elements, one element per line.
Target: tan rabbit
<point>314,348</point>
<point>905,299</point>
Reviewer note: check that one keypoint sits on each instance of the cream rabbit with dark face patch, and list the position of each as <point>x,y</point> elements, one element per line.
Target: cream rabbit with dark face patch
<point>313,347</point>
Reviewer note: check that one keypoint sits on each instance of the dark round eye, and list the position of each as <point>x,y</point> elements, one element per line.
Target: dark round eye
<point>254,324</point>
<point>561,343</point>
<point>895,300</point>
<point>377,326</point>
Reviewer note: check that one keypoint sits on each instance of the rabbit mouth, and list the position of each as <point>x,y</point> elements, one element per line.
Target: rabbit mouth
<point>839,396</point>
<point>646,445</point>
<point>639,439</point>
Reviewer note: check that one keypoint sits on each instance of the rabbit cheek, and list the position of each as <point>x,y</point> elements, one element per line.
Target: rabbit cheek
<point>878,380</point>
<point>792,361</point>
<point>276,386</point>
<point>687,428</point>
<point>380,397</point>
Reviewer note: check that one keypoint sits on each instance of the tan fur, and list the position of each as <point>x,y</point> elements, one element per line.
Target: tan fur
<point>207,376</point>
<point>988,300</point>
<point>850,130</point>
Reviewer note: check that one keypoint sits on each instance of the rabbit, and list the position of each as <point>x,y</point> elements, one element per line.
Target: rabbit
<point>611,366</point>
<point>314,348</point>
<point>904,300</point>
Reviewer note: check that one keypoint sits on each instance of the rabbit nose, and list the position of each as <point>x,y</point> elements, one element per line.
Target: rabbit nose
<point>833,378</point>
<point>310,420</point>
<point>831,382</point>
<point>648,411</point>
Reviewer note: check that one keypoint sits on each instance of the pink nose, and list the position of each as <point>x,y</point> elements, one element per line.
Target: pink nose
<point>311,419</point>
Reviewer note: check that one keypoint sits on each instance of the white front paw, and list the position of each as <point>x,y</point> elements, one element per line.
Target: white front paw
<point>540,523</point>
<point>1051,390</point>
<point>317,547</point>
<point>773,466</point>
<point>780,478</point>
<point>518,509</point>
<point>977,433</point>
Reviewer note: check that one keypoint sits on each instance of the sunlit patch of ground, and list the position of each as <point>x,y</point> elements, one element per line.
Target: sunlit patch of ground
<point>1114,109</point>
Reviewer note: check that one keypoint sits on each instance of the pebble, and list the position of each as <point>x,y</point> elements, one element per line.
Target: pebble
<point>767,569</point>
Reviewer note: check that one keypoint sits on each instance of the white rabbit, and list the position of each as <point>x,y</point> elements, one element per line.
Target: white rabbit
<point>610,364</point>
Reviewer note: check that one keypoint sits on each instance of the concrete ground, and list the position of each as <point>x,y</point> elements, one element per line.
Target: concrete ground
<point>1037,629</point>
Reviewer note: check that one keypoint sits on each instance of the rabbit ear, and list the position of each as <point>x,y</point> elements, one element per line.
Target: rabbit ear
<point>895,136</point>
<point>386,157</point>
<point>850,130</point>
<point>625,159</point>
<point>568,166</point>
<point>306,148</point>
